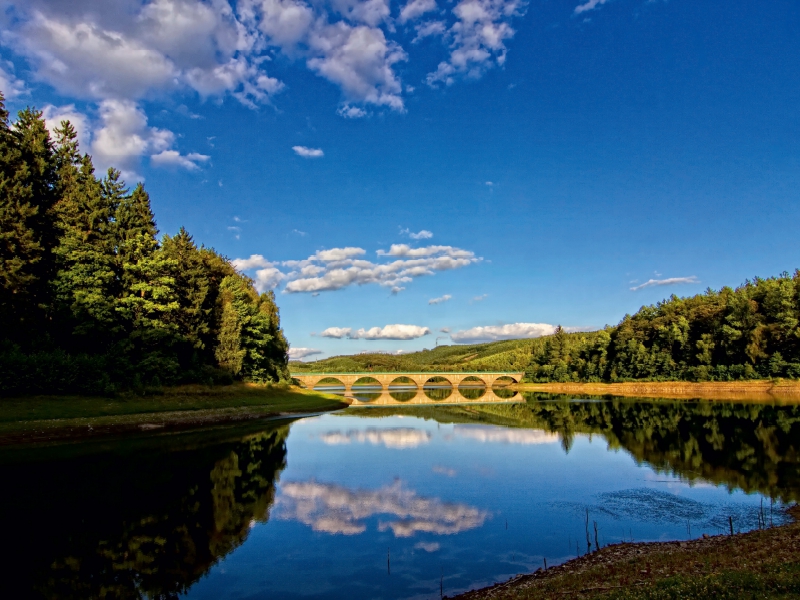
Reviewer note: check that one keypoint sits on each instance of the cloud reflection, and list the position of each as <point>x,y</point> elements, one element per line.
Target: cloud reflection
<point>525,437</point>
<point>335,509</point>
<point>397,438</point>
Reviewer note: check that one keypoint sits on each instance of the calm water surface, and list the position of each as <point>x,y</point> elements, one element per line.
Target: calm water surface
<point>388,501</point>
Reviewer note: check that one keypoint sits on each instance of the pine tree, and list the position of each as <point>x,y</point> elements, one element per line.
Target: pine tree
<point>86,283</point>
<point>27,177</point>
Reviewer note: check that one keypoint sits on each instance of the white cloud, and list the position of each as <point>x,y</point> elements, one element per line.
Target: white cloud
<point>11,87</point>
<point>424,234</point>
<point>398,438</point>
<point>480,298</point>
<point>502,435</point>
<point>669,281</point>
<point>392,332</point>
<point>360,60</point>
<point>479,36</point>
<point>118,50</point>
<point>246,264</point>
<point>54,115</point>
<point>268,278</point>
<point>440,299</point>
<point>388,332</point>
<point>429,29</point>
<point>337,332</point>
<point>492,333</point>
<point>334,509</point>
<point>427,546</point>
<point>308,152</point>
<point>416,8</point>
<point>351,112</point>
<point>591,4</point>
<point>406,250</point>
<point>301,353</point>
<point>338,268</point>
<point>173,158</point>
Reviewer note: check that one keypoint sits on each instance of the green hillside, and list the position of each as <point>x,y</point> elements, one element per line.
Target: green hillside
<point>751,332</point>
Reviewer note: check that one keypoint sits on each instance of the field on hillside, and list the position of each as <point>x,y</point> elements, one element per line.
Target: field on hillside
<point>511,355</point>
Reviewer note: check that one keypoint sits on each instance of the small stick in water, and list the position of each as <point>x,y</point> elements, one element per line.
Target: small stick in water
<point>730,521</point>
<point>545,563</point>
<point>388,562</point>
<point>441,585</point>
<point>596,544</point>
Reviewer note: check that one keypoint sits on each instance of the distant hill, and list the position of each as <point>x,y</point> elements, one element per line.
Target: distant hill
<point>751,332</point>
<point>507,355</point>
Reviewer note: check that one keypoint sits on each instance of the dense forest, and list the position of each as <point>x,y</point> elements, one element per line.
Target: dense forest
<point>750,332</point>
<point>92,301</point>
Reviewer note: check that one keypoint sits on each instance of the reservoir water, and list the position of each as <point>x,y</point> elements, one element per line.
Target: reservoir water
<point>404,500</point>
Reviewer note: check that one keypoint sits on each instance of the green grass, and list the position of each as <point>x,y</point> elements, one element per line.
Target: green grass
<point>48,412</point>
<point>778,582</point>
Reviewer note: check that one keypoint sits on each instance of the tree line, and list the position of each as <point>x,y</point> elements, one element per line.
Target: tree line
<point>93,301</point>
<point>750,332</point>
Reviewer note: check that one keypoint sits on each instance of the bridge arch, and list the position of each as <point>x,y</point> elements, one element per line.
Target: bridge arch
<point>366,380</point>
<point>328,382</point>
<point>472,387</point>
<point>504,380</point>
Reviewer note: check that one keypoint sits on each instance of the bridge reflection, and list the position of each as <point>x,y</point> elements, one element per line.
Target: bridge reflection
<point>409,395</point>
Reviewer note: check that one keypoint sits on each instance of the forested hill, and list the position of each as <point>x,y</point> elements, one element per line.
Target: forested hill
<point>92,301</point>
<point>750,332</point>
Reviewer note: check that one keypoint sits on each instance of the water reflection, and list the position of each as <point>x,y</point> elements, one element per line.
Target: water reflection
<point>205,515</point>
<point>136,522</point>
<point>336,509</point>
<point>399,437</point>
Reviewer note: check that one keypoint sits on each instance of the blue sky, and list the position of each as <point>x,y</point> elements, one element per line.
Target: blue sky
<point>527,164</point>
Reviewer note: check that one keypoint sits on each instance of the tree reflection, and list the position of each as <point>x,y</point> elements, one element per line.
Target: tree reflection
<point>147,524</point>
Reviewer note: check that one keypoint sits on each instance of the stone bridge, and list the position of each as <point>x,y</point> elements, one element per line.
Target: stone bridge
<point>311,380</point>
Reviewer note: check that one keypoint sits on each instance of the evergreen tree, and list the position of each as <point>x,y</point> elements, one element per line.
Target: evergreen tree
<point>27,236</point>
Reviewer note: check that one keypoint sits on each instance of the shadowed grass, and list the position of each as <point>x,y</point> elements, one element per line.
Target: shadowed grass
<point>183,403</point>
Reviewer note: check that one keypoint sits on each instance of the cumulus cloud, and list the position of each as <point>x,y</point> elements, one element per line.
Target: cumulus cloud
<point>255,261</point>
<point>335,509</point>
<point>338,268</point>
<point>669,281</point>
<point>388,332</point>
<point>590,5</point>
<point>173,158</point>
<point>480,298</point>
<point>492,333</point>
<point>478,39</point>
<point>301,353</point>
<point>306,152</point>
<point>416,8</point>
<point>487,434</point>
<point>397,438</point>
<point>127,50</point>
<point>337,332</point>
<point>440,299</point>
<point>120,136</point>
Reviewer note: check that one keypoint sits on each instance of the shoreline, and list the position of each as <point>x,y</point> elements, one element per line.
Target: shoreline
<point>694,568</point>
<point>754,391</point>
<point>53,419</point>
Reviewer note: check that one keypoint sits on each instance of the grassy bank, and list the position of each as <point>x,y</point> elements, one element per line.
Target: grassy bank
<point>767,391</point>
<point>50,418</point>
<point>758,564</point>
